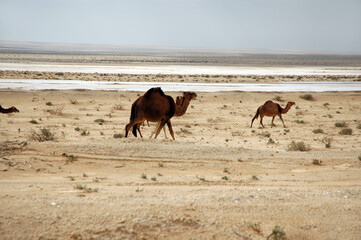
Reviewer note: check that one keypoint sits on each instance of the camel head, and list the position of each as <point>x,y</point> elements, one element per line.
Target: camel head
<point>291,104</point>
<point>14,109</point>
<point>190,95</point>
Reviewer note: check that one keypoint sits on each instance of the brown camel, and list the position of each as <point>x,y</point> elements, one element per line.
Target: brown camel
<point>8,110</point>
<point>271,109</point>
<point>181,106</point>
<point>153,106</point>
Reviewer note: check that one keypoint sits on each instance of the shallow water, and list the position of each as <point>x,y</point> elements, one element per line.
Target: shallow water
<point>181,69</point>
<point>28,84</point>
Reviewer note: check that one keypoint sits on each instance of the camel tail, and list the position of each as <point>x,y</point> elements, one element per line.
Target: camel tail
<point>255,116</point>
<point>133,114</point>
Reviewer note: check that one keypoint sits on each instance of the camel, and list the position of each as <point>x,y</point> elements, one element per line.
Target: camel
<point>181,106</point>
<point>271,109</point>
<point>153,106</point>
<point>8,110</point>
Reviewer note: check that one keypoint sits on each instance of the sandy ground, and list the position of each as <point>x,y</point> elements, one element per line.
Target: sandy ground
<point>220,179</point>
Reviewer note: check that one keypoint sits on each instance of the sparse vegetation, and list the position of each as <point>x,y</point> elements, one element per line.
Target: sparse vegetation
<point>359,157</point>
<point>57,111</point>
<point>33,121</point>
<point>270,141</point>
<point>346,131</point>
<point>154,178</point>
<point>70,157</point>
<point>298,146</point>
<point>160,164</point>
<point>327,142</point>
<point>118,135</point>
<point>201,178</point>
<point>118,107</point>
<point>49,104</point>
<point>278,98</point>
<point>73,101</point>
<point>225,178</point>
<point>44,135</point>
<point>84,132</point>
<point>144,176</point>
<point>299,121</point>
<point>340,124</point>
<point>307,97</point>
<point>358,126</point>
<point>86,189</point>
<point>318,130</point>
<point>255,177</point>
<point>277,234</point>
<point>255,227</point>
<point>99,120</point>
<point>316,162</point>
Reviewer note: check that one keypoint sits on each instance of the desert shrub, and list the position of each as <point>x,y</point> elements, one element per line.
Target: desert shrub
<point>307,97</point>
<point>57,111</point>
<point>33,121</point>
<point>118,107</point>
<point>118,135</point>
<point>318,130</point>
<point>340,124</point>
<point>86,189</point>
<point>299,121</point>
<point>278,98</point>
<point>327,142</point>
<point>44,135</point>
<point>298,146</point>
<point>359,126</point>
<point>277,234</point>
<point>49,104</point>
<point>359,157</point>
<point>100,121</point>
<point>346,131</point>
<point>73,101</point>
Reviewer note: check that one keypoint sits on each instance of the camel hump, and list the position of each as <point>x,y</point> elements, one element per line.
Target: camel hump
<point>154,90</point>
<point>268,102</point>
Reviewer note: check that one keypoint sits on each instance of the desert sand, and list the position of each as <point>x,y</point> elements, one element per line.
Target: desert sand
<point>220,179</point>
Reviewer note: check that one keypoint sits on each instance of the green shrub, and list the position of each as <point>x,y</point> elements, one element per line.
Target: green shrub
<point>298,146</point>
<point>340,124</point>
<point>318,130</point>
<point>346,131</point>
<point>44,135</point>
<point>307,97</point>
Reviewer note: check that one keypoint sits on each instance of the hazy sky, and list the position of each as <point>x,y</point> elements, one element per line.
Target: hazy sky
<point>316,25</point>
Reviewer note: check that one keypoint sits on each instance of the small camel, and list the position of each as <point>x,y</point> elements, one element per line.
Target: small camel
<point>181,106</point>
<point>271,109</point>
<point>153,106</point>
<point>8,110</point>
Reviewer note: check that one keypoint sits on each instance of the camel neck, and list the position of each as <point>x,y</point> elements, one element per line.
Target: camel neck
<point>181,110</point>
<point>287,108</point>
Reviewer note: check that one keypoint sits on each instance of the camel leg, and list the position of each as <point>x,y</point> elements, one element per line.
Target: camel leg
<point>170,129</point>
<point>155,129</point>
<point>128,127</point>
<point>165,133</point>
<point>273,118</point>
<point>261,121</point>
<point>138,128</point>
<point>282,120</point>
<point>162,123</point>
